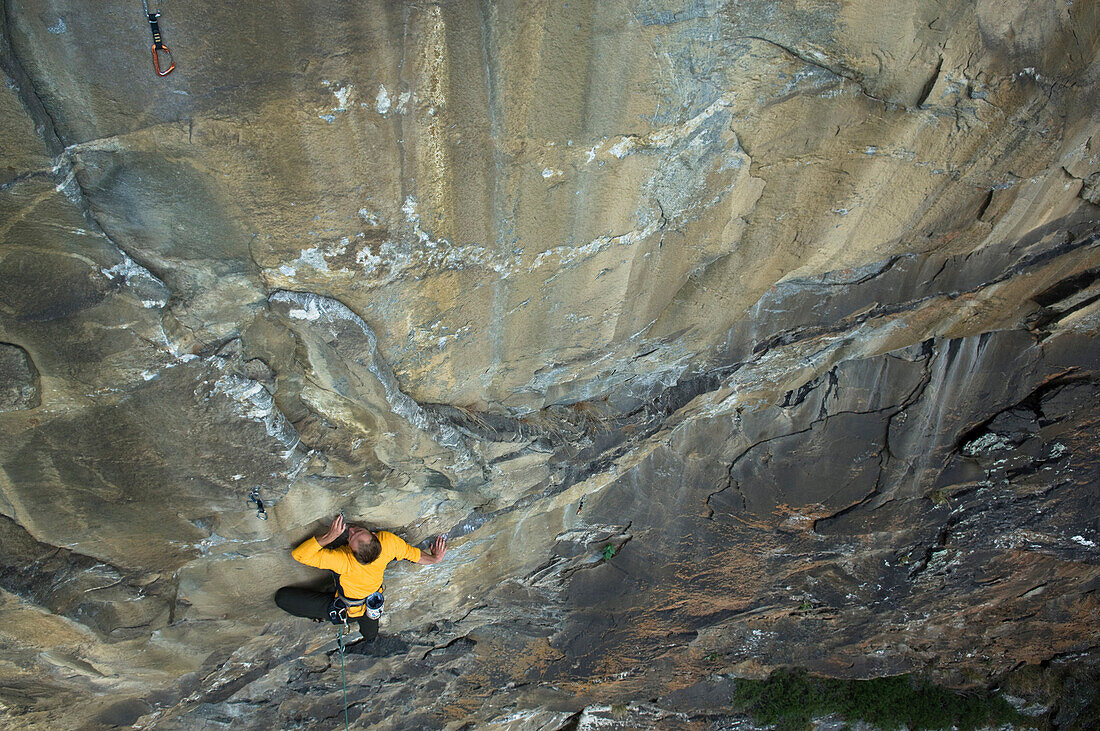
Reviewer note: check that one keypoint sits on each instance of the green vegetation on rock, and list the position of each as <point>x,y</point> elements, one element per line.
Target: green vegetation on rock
<point>790,698</point>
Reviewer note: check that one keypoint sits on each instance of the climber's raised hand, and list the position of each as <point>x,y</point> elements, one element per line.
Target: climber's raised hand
<point>334,531</point>
<point>435,555</point>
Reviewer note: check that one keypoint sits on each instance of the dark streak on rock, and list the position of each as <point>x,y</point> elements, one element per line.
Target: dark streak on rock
<point>929,85</point>
<point>56,578</point>
<point>983,207</point>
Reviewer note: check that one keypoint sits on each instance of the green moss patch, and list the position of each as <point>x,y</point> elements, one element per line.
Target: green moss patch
<point>789,699</point>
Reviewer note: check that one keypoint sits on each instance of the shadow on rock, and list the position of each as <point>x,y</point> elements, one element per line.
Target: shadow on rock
<point>379,647</point>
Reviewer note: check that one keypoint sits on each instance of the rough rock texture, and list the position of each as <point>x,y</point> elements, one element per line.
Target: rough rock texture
<point>791,305</point>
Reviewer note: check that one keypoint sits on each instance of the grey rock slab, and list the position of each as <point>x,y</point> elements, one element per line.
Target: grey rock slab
<point>115,602</point>
<point>344,361</point>
<point>159,459</point>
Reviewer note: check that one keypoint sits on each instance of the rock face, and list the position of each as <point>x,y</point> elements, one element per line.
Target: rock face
<point>717,336</point>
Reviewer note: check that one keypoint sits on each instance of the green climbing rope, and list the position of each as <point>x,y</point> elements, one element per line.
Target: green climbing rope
<point>343,679</point>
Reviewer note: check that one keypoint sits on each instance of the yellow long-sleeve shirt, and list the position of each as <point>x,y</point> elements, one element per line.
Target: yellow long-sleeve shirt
<point>358,580</point>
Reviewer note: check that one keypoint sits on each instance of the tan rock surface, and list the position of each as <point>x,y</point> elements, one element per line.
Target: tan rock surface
<point>792,305</point>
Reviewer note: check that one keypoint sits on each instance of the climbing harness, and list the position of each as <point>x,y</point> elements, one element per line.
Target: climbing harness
<point>254,496</point>
<point>338,608</point>
<point>341,632</point>
<point>159,48</point>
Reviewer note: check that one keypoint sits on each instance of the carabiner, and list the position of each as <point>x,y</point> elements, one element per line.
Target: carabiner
<point>156,59</point>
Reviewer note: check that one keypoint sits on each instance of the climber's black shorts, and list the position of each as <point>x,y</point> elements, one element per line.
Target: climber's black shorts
<point>315,605</point>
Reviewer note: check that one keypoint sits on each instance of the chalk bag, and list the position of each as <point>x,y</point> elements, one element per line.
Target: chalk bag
<point>374,605</point>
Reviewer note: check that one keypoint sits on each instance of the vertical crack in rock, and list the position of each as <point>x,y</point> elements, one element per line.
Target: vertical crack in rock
<point>927,356</point>
<point>818,60</point>
<point>731,482</point>
<point>64,171</point>
<point>25,88</point>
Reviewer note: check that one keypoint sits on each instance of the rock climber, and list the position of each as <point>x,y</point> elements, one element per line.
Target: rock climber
<point>359,565</point>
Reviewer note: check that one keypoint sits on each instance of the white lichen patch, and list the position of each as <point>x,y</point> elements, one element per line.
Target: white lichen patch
<point>624,147</point>
<point>309,310</point>
<point>312,257</point>
<point>988,442</point>
<point>567,254</point>
<point>382,101</point>
<point>442,254</point>
<point>211,541</point>
<point>1027,72</point>
<point>343,94</point>
<point>438,335</point>
<point>418,253</point>
<point>367,259</point>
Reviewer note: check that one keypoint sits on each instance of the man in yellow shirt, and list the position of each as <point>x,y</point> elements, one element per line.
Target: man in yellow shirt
<point>359,565</point>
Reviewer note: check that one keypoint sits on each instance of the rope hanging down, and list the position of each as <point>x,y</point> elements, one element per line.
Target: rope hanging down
<point>159,49</point>
<point>341,632</point>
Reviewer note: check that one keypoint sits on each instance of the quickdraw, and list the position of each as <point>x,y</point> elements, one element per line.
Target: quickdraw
<point>159,49</point>
<point>254,496</point>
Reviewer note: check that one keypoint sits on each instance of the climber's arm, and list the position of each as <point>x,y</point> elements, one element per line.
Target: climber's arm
<point>312,551</point>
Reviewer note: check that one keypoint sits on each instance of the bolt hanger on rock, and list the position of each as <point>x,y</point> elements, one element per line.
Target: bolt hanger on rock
<point>159,49</point>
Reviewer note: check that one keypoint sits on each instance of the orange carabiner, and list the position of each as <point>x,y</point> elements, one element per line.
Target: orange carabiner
<point>156,59</point>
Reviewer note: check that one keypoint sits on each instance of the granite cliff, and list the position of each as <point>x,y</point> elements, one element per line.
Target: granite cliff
<point>718,336</point>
